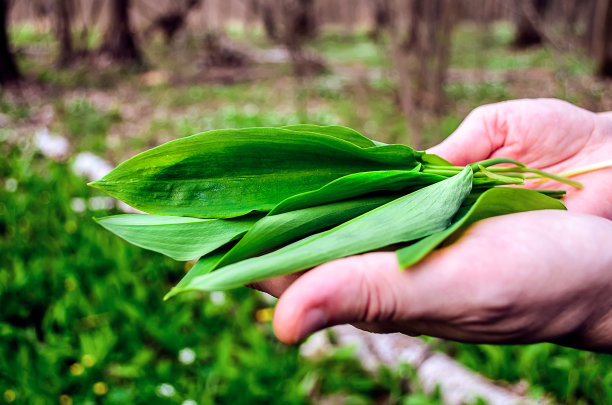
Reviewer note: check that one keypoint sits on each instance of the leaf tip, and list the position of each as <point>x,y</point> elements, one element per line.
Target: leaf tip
<point>171,294</point>
<point>97,184</point>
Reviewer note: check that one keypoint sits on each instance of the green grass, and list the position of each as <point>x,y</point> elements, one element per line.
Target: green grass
<point>28,34</point>
<point>474,48</point>
<point>572,376</point>
<point>86,125</point>
<point>357,49</point>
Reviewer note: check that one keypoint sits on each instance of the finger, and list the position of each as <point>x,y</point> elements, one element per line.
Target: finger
<point>355,289</point>
<point>606,115</point>
<point>478,136</point>
<point>277,285</point>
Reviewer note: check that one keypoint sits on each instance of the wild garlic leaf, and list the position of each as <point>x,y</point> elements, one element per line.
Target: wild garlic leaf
<point>493,202</point>
<point>181,238</point>
<point>274,231</point>
<point>431,159</point>
<point>203,266</point>
<point>408,218</point>
<point>228,173</point>
<point>358,184</point>
<point>347,134</point>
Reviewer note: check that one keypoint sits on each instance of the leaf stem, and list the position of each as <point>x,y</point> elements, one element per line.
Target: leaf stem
<point>540,174</point>
<point>482,169</point>
<point>606,164</point>
<point>496,161</point>
<point>495,176</point>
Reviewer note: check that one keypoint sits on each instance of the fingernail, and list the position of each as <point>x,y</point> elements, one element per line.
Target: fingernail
<point>313,320</point>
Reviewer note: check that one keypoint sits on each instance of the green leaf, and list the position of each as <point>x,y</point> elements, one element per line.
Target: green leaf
<point>431,159</point>
<point>493,202</point>
<point>273,231</point>
<point>228,173</point>
<point>203,266</point>
<point>181,238</point>
<point>408,218</point>
<point>500,177</point>
<point>347,134</point>
<point>357,184</point>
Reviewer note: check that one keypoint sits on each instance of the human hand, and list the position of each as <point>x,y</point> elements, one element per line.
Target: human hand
<point>545,275</point>
<point>545,134</point>
<point>521,278</point>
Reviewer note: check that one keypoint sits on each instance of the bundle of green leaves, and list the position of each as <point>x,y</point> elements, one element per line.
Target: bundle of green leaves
<point>255,203</point>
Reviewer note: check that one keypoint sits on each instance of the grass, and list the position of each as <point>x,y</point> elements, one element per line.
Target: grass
<point>353,48</point>
<point>82,316</point>
<point>488,49</point>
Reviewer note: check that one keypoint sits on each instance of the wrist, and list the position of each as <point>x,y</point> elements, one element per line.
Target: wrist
<point>594,331</point>
<point>595,335</point>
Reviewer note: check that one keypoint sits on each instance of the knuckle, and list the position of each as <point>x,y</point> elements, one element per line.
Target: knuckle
<point>380,302</point>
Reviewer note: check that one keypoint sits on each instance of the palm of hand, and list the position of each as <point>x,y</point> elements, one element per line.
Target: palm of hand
<point>550,135</point>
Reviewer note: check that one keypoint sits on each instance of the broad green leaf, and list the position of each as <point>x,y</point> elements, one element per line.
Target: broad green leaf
<point>274,231</point>
<point>181,238</point>
<point>408,218</point>
<point>228,173</point>
<point>493,202</point>
<point>357,184</point>
<point>347,134</point>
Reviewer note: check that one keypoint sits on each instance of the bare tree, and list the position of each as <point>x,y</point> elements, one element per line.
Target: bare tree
<point>269,18</point>
<point>291,23</point>
<point>603,38</point>
<point>421,52</point>
<point>119,42</point>
<point>300,25</point>
<point>174,20</point>
<point>381,10</point>
<point>64,31</point>
<point>527,34</point>
<point>9,73</point>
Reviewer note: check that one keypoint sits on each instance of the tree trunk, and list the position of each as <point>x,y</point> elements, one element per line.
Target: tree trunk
<point>421,52</point>
<point>119,43</point>
<point>382,17</point>
<point>603,38</point>
<point>9,73</point>
<point>428,44</point>
<point>527,34</point>
<point>301,21</point>
<point>64,32</point>
<point>269,20</point>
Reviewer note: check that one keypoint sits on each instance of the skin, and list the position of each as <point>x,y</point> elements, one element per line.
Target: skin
<point>541,276</point>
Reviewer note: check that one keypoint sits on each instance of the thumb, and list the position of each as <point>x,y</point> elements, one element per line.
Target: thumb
<point>475,138</point>
<point>350,290</point>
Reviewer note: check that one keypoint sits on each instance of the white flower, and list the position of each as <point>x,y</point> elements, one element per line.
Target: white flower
<point>217,297</point>
<point>91,166</point>
<point>189,402</point>
<point>52,146</point>
<point>165,390</point>
<point>78,205</point>
<point>10,185</point>
<point>101,203</point>
<point>186,355</point>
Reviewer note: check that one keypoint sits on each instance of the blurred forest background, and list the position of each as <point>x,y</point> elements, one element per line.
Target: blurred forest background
<point>86,84</point>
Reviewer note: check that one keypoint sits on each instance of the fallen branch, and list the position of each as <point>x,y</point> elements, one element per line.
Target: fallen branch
<point>457,384</point>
